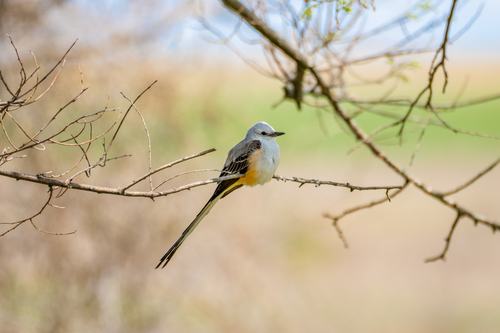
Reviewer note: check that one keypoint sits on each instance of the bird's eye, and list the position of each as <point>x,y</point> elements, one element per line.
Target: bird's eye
<point>263,133</point>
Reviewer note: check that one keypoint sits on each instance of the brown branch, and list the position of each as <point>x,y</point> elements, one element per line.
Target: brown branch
<point>84,156</point>
<point>447,240</point>
<point>35,87</point>
<point>360,134</point>
<point>22,72</point>
<point>470,182</point>
<point>262,27</point>
<point>104,157</point>
<point>183,174</point>
<point>126,113</point>
<point>455,130</point>
<point>40,179</point>
<point>317,183</point>
<point>50,139</point>
<point>51,70</point>
<point>166,166</point>
<point>149,139</point>
<point>433,70</point>
<point>73,100</point>
<point>417,147</point>
<point>18,223</point>
<point>226,41</point>
<point>443,107</point>
<point>259,25</point>
<point>337,218</point>
<point>108,190</point>
<point>5,104</point>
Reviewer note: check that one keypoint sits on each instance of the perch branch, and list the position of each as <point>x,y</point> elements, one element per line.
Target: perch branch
<point>108,190</point>
<point>317,183</point>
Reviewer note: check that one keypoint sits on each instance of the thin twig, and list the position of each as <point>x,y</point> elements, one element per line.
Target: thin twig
<point>149,139</point>
<point>447,240</point>
<point>433,70</point>
<point>183,174</point>
<point>166,166</point>
<point>337,218</point>
<point>18,223</point>
<point>470,182</point>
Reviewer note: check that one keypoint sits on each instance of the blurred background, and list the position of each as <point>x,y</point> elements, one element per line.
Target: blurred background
<point>264,259</point>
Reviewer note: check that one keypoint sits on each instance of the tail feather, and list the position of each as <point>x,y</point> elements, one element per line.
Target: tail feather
<point>170,253</point>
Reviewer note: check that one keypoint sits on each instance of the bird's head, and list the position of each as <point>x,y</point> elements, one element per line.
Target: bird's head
<point>262,131</point>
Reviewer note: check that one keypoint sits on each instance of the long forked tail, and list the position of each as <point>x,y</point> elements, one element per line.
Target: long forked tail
<point>170,253</point>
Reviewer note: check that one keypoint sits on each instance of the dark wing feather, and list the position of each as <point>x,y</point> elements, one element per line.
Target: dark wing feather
<point>239,165</point>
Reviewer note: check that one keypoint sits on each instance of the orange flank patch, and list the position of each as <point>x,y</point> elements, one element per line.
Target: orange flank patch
<point>252,176</point>
<point>250,179</point>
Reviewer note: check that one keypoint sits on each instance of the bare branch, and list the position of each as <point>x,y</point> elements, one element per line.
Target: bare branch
<point>301,59</point>
<point>433,70</point>
<point>50,71</point>
<point>337,218</point>
<point>184,173</point>
<point>166,166</point>
<point>149,139</point>
<point>447,240</point>
<point>470,182</point>
<point>317,183</point>
<point>258,24</point>
<point>18,223</point>
<point>108,190</point>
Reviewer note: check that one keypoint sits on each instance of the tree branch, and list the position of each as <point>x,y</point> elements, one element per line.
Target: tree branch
<point>448,240</point>
<point>275,39</point>
<point>108,190</point>
<point>317,183</point>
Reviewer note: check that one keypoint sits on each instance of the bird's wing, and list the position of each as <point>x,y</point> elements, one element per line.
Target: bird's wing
<point>236,162</point>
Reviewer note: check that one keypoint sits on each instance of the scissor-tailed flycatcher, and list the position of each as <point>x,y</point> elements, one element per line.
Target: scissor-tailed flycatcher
<point>256,157</point>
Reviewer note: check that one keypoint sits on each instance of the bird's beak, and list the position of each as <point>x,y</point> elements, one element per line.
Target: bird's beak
<point>278,133</point>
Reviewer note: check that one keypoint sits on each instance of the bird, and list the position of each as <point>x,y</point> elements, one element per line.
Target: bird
<point>256,158</point>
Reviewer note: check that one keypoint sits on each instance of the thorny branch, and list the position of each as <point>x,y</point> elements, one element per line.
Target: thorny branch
<point>39,179</point>
<point>310,48</point>
<point>447,240</point>
<point>432,72</point>
<point>317,183</point>
<point>337,218</point>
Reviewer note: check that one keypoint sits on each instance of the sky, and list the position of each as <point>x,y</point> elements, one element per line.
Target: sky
<point>482,37</point>
<point>171,28</point>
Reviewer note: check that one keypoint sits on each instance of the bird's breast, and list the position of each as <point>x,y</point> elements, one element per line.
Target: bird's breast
<point>261,166</point>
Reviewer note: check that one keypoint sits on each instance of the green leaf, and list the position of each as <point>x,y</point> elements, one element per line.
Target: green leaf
<point>329,36</point>
<point>413,65</point>
<point>307,14</point>
<point>426,6</point>
<point>403,78</point>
